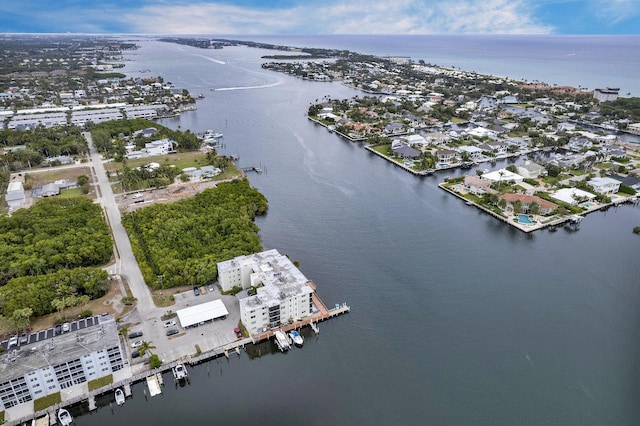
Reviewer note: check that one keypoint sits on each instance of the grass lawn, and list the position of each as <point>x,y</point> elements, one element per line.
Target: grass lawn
<point>181,160</point>
<point>73,192</point>
<point>101,382</point>
<point>42,178</point>
<point>46,401</point>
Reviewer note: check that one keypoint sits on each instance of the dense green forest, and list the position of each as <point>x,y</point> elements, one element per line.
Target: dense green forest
<point>110,137</point>
<point>56,291</point>
<point>54,234</point>
<point>180,244</point>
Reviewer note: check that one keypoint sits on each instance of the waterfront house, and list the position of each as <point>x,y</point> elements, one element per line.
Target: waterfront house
<point>477,186</point>
<point>474,152</point>
<point>393,128</point>
<point>572,196</point>
<point>545,207</point>
<point>402,149</point>
<point>502,175</point>
<point>446,156</point>
<point>605,185</point>
<point>415,140</point>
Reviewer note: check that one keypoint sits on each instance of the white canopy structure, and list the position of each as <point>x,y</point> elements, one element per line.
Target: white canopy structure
<point>200,313</point>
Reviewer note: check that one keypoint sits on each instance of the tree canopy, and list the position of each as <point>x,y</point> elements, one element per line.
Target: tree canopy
<point>47,293</point>
<point>54,234</point>
<point>183,241</point>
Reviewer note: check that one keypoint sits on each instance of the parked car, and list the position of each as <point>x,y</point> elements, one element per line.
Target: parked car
<point>135,334</point>
<point>238,332</point>
<point>24,338</point>
<point>196,291</point>
<point>57,329</point>
<point>135,354</point>
<point>136,344</point>
<point>169,323</point>
<point>13,341</point>
<point>66,327</point>
<point>172,332</point>
<point>210,287</point>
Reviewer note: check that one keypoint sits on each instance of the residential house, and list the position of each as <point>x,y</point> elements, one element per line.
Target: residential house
<point>415,140</point>
<point>545,207</point>
<point>446,156</point>
<point>393,128</point>
<point>531,170</point>
<point>476,185</point>
<point>605,185</point>
<point>502,175</point>
<point>631,181</point>
<point>402,149</point>
<point>474,152</point>
<point>572,196</point>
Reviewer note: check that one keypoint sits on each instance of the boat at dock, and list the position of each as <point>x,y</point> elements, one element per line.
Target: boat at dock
<point>297,338</point>
<point>179,372</point>
<point>119,396</point>
<point>282,341</point>
<point>212,136</point>
<point>64,417</point>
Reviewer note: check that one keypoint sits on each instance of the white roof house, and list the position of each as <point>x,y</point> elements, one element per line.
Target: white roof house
<point>569,195</point>
<point>15,194</point>
<point>200,313</point>
<point>605,185</point>
<point>415,139</point>
<point>503,175</point>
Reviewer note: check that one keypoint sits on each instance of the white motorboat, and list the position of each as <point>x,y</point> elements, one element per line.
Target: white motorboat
<point>64,417</point>
<point>297,338</point>
<point>179,372</point>
<point>282,341</point>
<point>119,396</point>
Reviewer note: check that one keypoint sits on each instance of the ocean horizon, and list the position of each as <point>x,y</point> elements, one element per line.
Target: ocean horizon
<point>582,61</point>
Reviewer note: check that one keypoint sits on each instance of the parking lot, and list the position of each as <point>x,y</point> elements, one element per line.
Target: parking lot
<point>28,339</point>
<point>212,334</point>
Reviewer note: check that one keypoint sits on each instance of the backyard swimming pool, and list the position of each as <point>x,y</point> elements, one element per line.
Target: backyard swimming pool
<point>524,219</point>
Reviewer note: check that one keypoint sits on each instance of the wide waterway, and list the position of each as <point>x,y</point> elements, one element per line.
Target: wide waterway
<point>457,318</point>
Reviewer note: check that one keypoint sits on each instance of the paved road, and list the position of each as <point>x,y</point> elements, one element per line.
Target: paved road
<point>126,263</point>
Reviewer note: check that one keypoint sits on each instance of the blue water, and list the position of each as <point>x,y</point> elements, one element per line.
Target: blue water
<point>449,326</point>
<point>587,61</point>
<point>524,219</point>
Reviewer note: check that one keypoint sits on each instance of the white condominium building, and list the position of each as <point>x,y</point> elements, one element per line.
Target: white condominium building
<point>282,294</point>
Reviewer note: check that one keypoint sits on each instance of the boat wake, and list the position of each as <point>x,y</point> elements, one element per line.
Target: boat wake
<point>217,61</point>
<point>263,86</point>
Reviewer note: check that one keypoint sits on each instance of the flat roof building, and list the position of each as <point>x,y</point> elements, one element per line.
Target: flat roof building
<point>203,312</point>
<point>283,293</point>
<point>35,370</point>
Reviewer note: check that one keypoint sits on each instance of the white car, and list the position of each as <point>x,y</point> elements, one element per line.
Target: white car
<point>136,344</point>
<point>169,323</point>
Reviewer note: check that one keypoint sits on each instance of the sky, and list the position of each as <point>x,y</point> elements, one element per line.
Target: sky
<point>320,17</point>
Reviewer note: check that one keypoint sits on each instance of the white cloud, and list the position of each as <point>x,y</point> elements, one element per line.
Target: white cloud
<point>343,17</point>
<point>614,11</point>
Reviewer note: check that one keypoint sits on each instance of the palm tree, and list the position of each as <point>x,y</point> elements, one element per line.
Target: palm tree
<point>145,348</point>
